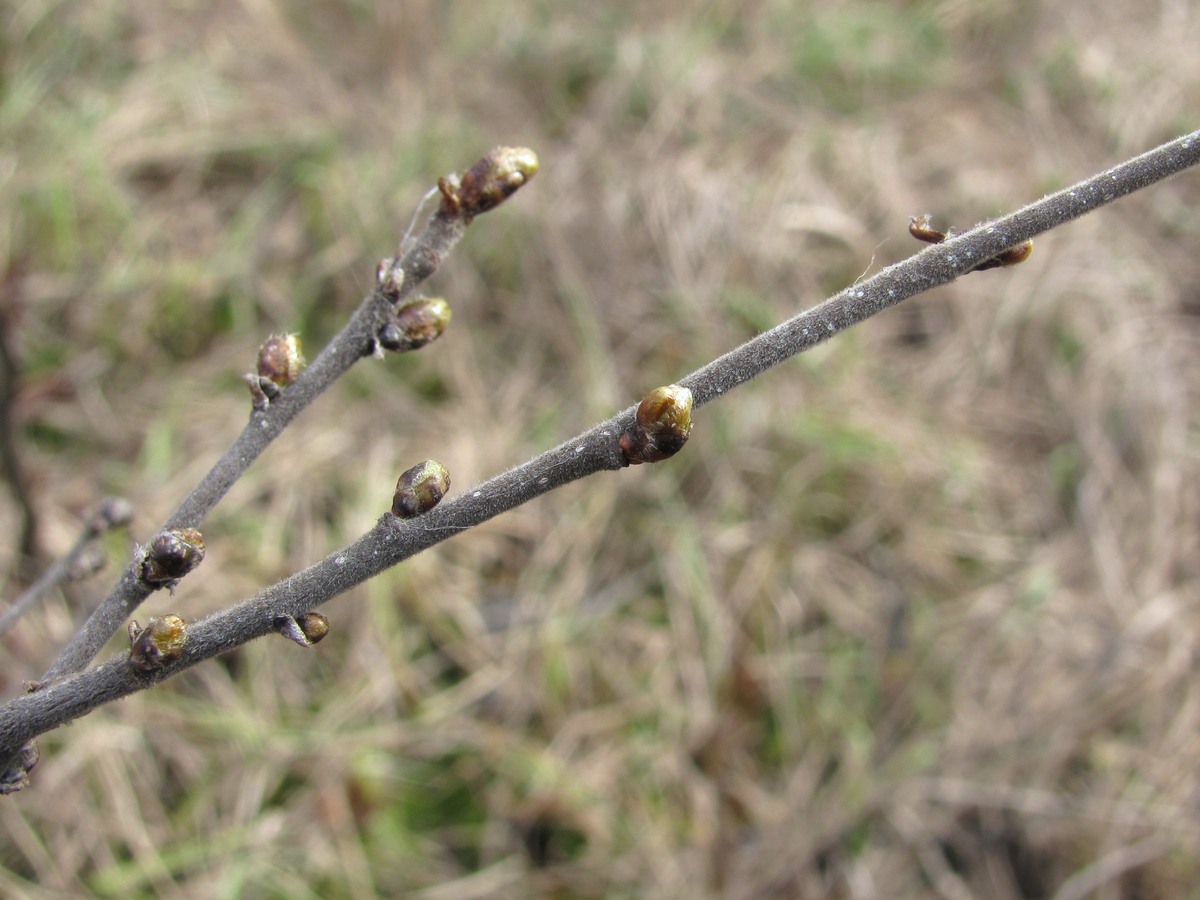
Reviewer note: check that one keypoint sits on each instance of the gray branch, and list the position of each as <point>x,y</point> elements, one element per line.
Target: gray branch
<point>393,540</point>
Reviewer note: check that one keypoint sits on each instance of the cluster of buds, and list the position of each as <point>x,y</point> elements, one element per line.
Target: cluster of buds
<point>488,183</point>
<point>661,426</point>
<point>280,362</point>
<point>158,644</point>
<point>922,229</point>
<point>170,556</point>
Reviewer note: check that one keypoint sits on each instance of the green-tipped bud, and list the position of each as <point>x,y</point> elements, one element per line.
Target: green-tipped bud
<point>158,645</point>
<point>279,359</point>
<point>170,556</point>
<point>661,427</point>
<point>420,489</point>
<point>389,278</point>
<point>489,182</point>
<point>415,324</point>
<point>305,630</point>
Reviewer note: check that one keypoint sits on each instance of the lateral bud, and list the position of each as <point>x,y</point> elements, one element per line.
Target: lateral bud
<point>305,630</point>
<point>661,426</point>
<point>157,645</point>
<point>921,227</point>
<point>389,278</point>
<point>414,324</point>
<point>170,556</point>
<point>420,489</point>
<point>280,362</point>
<point>488,183</point>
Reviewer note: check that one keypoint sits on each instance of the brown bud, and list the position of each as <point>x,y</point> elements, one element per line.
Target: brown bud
<point>305,630</point>
<point>415,324</point>
<point>158,645</point>
<point>170,556</point>
<point>16,776</point>
<point>489,182</point>
<point>1011,257</point>
<point>920,228</point>
<point>389,278</point>
<point>280,360</point>
<point>661,427</point>
<point>420,489</point>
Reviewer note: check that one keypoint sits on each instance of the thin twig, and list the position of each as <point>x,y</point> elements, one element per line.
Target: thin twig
<point>10,457</point>
<point>357,339</point>
<point>392,541</point>
<point>112,512</point>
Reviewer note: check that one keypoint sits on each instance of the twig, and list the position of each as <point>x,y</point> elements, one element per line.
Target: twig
<point>397,281</point>
<point>391,541</point>
<point>112,512</point>
<point>10,457</point>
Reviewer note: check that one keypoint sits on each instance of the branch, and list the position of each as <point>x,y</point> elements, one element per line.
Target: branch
<point>483,187</point>
<point>394,540</point>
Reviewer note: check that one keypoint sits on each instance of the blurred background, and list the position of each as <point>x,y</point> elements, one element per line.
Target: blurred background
<point>913,615</point>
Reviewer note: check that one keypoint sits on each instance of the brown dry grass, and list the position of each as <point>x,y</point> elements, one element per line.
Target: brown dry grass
<point>914,616</point>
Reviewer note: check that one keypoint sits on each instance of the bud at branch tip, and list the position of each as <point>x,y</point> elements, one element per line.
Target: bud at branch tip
<point>488,183</point>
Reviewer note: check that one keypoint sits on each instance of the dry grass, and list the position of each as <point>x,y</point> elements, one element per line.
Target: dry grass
<point>913,616</point>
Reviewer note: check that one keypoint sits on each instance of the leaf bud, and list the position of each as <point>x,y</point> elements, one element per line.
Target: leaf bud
<point>661,426</point>
<point>420,489</point>
<point>170,556</point>
<point>305,630</point>
<point>158,645</point>
<point>389,278</point>
<point>922,229</point>
<point>16,776</point>
<point>489,182</point>
<point>280,360</point>
<point>415,324</point>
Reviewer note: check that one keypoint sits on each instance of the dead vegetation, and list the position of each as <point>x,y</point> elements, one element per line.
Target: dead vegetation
<point>913,616</point>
